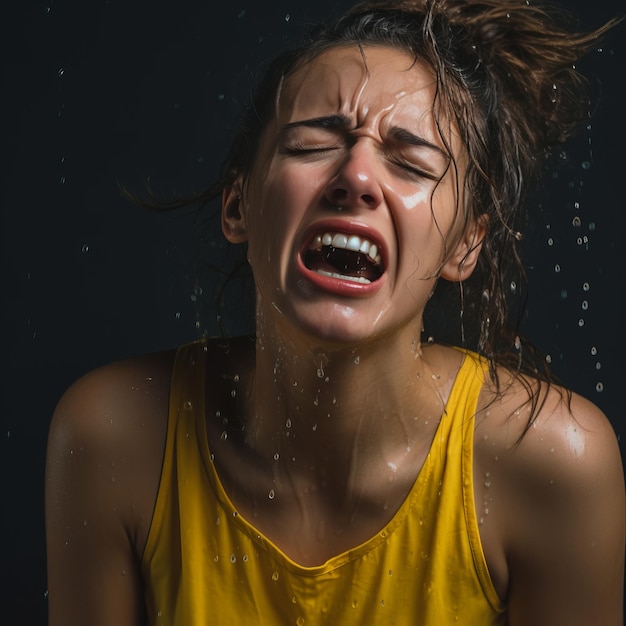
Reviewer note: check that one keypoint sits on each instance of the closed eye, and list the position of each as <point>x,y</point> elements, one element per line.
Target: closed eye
<point>303,149</point>
<point>413,171</point>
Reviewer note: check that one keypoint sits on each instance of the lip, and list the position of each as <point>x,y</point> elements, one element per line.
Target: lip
<point>336,285</point>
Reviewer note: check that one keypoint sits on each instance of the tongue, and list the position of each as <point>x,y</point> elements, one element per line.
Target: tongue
<point>339,261</point>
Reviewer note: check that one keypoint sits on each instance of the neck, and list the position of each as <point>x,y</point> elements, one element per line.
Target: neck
<point>341,410</point>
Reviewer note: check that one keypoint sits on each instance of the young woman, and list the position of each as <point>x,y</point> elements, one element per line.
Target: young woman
<point>342,466</point>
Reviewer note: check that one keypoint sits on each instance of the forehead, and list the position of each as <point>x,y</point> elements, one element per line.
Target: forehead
<point>372,86</point>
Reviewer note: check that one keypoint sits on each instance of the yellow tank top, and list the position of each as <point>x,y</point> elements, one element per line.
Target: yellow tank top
<point>204,564</point>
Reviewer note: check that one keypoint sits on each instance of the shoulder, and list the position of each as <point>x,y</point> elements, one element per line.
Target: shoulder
<point>107,435</point>
<point>567,438</point>
<point>556,498</point>
<point>115,398</point>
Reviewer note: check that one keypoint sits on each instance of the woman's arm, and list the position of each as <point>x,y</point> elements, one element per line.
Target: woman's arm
<point>565,520</point>
<point>103,465</point>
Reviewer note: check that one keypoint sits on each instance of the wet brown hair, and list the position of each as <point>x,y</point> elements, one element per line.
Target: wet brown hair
<point>506,78</point>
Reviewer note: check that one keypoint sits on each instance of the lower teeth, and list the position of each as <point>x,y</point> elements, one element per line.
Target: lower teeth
<point>354,279</point>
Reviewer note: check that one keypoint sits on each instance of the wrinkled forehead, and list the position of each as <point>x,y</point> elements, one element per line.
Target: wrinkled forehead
<point>374,86</point>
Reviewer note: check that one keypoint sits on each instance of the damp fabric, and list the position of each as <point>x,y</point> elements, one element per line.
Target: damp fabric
<point>205,564</point>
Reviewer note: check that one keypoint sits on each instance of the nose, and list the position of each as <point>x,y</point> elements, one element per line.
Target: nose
<point>355,184</point>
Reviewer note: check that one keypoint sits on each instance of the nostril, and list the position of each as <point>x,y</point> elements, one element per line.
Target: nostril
<point>339,196</point>
<point>368,199</point>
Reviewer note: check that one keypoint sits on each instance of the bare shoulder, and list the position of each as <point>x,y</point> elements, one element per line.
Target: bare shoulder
<point>105,451</point>
<point>556,495</point>
<point>568,439</point>
<point>115,416</point>
<point>122,405</point>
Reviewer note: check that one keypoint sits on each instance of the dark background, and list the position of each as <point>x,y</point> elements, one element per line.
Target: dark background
<point>113,91</point>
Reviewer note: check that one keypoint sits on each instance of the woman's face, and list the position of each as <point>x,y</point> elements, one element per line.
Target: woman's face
<point>351,205</point>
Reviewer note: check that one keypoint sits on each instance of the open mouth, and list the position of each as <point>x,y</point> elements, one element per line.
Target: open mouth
<point>344,256</point>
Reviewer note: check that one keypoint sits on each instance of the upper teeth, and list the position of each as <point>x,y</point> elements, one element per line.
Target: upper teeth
<point>348,242</point>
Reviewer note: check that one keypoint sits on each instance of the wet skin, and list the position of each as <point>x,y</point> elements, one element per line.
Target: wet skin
<point>337,398</point>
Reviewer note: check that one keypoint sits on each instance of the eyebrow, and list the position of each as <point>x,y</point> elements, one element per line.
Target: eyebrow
<point>405,136</point>
<point>336,122</point>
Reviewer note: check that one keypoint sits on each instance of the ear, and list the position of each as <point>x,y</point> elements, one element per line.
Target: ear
<point>233,217</point>
<point>461,263</point>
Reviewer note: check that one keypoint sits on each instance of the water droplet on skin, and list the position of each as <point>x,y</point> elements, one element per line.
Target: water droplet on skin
<point>271,495</point>
<point>288,423</point>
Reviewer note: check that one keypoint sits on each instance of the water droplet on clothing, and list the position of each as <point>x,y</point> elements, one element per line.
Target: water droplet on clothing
<point>188,405</point>
<point>600,387</point>
<point>275,576</point>
<point>233,558</point>
<point>271,495</point>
